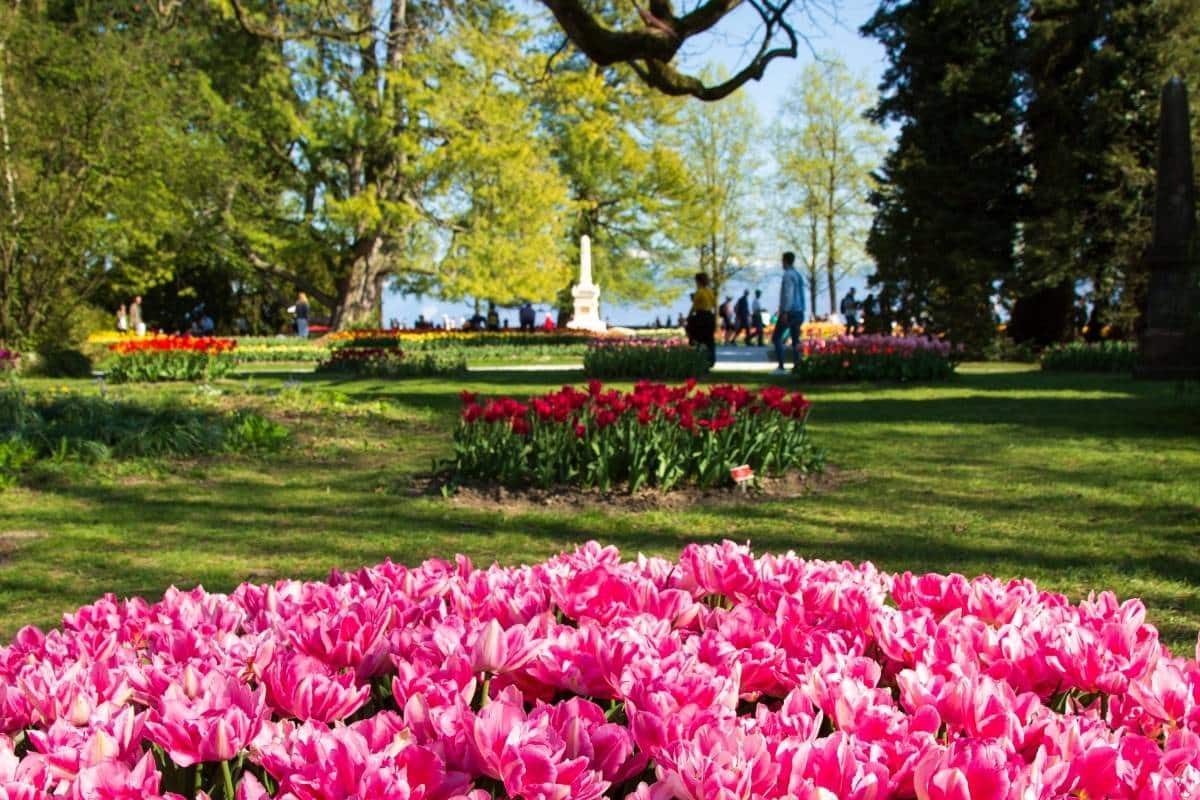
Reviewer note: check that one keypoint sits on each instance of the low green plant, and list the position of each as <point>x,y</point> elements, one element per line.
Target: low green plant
<point>1111,356</point>
<point>650,359</point>
<point>253,433</point>
<point>93,428</point>
<point>15,454</point>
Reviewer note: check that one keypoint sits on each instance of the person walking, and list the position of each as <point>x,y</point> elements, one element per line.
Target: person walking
<point>849,308</point>
<point>758,321</point>
<point>526,316</point>
<point>122,320</point>
<point>741,317</point>
<point>791,312</point>
<point>135,316</point>
<point>301,312</point>
<point>703,317</point>
<point>726,314</point>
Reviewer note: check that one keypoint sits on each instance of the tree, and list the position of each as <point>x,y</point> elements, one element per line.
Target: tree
<point>95,153</point>
<point>409,151</point>
<point>826,151</point>
<point>628,182</point>
<point>1093,69</point>
<point>719,142</point>
<point>649,38</point>
<point>947,205</point>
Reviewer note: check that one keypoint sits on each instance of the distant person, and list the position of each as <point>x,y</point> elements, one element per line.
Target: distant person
<point>526,316</point>
<point>872,316</point>
<point>741,316</point>
<point>122,320</point>
<point>726,313</point>
<point>493,318</point>
<point>135,316</point>
<point>849,308</point>
<point>758,318</point>
<point>702,320</point>
<point>791,312</point>
<point>206,325</point>
<point>300,310</point>
<point>549,323</point>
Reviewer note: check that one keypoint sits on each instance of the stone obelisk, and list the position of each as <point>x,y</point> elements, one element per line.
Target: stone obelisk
<point>586,294</point>
<point>1170,343</point>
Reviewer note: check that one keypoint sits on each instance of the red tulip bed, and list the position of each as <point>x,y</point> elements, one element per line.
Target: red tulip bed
<point>171,358</point>
<point>875,357</point>
<point>719,676</point>
<point>655,435</point>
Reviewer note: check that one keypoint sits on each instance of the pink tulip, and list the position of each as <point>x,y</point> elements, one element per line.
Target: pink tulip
<point>304,688</point>
<point>215,724</point>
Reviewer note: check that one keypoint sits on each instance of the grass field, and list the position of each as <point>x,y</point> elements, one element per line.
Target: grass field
<point>1081,483</point>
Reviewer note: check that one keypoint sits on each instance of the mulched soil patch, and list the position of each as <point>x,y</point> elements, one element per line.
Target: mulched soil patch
<point>493,498</point>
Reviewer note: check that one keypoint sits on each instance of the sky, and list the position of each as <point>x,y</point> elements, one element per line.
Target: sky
<point>864,57</point>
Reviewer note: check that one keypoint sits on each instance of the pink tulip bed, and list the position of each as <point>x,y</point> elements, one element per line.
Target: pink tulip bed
<point>875,357</point>
<point>715,677</point>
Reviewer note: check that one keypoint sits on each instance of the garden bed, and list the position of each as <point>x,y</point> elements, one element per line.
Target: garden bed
<point>657,436</point>
<point>495,497</point>
<point>716,675</point>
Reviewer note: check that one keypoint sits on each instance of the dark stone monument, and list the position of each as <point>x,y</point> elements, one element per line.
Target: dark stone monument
<point>1170,345</point>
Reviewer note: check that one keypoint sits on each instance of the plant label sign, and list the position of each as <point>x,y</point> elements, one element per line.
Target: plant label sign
<point>741,474</point>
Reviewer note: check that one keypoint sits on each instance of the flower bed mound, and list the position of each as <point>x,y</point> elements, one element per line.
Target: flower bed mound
<point>655,436</point>
<point>721,675</point>
<point>875,357</point>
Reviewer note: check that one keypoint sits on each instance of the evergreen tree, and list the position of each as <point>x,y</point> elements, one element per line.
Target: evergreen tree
<point>1093,70</point>
<point>948,202</point>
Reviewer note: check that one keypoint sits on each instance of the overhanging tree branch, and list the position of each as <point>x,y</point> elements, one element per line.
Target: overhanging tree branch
<point>651,48</point>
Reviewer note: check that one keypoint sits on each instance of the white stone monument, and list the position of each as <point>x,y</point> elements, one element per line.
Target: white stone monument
<point>586,294</point>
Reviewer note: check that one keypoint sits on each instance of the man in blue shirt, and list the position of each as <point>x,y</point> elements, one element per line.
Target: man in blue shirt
<point>791,312</point>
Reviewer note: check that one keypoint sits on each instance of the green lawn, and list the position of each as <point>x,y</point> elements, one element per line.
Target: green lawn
<point>1082,483</point>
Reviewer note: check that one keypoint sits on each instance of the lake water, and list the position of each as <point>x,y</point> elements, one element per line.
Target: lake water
<point>406,308</point>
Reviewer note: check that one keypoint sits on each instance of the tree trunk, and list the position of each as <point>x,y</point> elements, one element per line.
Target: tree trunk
<point>360,293</point>
<point>814,253</point>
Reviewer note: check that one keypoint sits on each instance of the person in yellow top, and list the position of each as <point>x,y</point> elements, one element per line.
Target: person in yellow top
<point>702,321</point>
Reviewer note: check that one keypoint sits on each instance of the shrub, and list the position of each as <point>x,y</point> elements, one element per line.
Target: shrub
<point>716,675</point>
<point>171,358</point>
<point>652,359</point>
<point>877,358</point>
<point>391,362</point>
<point>62,363</point>
<point>653,436</point>
<point>1090,357</point>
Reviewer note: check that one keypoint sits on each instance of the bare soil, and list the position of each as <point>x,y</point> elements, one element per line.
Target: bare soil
<point>568,498</point>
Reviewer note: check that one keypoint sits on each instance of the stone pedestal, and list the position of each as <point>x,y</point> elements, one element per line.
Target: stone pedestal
<point>586,294</point>
<point>1170,343</point>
